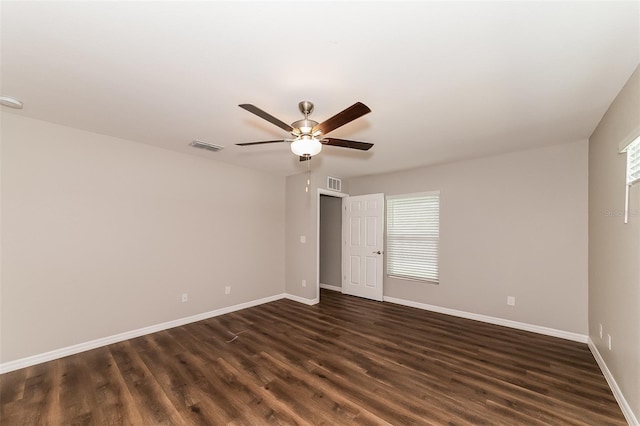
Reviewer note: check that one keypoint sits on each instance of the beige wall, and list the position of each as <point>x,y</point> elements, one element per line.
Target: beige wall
<point>614,247</point>
<point>511,225</point>
<point>102,236</point>
<point>331,240</point>
<point>302,219</point>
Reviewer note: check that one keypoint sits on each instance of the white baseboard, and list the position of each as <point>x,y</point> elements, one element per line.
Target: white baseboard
<point>617,393</point>
<point>492,320</point>
<point>302,299</point>
<point>81,347</point>
<point>331,287</point>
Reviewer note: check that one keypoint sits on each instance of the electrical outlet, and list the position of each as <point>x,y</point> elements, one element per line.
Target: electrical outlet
<point>303,239</point>
<point>511,300</point>
<point>185,297</point>
<point>227,289</point>
<point>601,331</point>
<point>609,341</point>
<point>304,283</point>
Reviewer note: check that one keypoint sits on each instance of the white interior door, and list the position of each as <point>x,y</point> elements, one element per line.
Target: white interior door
<point>363,254</point>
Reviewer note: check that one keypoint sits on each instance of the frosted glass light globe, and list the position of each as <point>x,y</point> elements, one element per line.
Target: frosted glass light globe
<point>306,145</point>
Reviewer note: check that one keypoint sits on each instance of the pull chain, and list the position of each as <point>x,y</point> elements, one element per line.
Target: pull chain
<point>306,189</point>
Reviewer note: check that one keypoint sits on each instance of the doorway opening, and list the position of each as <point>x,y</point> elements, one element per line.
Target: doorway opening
<point>329,240</point>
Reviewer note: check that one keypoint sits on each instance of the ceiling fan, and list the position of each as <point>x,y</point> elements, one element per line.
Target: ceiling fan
<point>309,134</point>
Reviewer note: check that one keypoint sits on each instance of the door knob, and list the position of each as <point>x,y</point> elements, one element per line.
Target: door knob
<point>377,252</point>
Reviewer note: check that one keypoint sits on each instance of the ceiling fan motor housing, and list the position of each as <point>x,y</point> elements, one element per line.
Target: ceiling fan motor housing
<point>303,127</point>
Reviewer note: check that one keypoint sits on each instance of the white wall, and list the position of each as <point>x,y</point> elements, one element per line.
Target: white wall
<point>614,247</point>
<point>102,235</point>
<point>511,225</point>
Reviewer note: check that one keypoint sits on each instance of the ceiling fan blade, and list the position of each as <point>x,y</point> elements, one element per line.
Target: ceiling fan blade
<point>260,143</point>
<point>265,115</point>
<point>356,110</point>
<point>363,146</point>
<point>305,157</point>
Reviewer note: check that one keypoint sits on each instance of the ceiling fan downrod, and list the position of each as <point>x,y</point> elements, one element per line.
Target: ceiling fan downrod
<point>305,126</point>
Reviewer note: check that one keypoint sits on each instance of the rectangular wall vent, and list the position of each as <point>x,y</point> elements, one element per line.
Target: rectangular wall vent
<point>207,146</point>
<point>334,184</point>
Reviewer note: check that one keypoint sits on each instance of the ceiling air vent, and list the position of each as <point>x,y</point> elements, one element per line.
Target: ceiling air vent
<point>207,146</point>
<point>334,184</point>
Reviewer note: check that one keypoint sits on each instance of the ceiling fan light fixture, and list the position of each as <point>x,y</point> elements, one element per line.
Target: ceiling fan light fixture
<point>309,134</point>
<point>306,145</point>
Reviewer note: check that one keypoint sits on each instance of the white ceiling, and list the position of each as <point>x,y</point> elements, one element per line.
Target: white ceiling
<point>445,80</point>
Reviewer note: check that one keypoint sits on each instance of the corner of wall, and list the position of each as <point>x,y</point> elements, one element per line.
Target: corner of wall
<point>614,276</point>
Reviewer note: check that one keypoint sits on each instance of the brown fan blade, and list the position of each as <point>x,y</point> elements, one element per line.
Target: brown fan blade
<point>261,142</point>
<point>356,110</point>
<point>265,115</point>
<point>305,157</point>
<point>364,146</point>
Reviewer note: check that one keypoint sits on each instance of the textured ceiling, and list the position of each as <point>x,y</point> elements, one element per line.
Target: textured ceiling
<point>445,80</point>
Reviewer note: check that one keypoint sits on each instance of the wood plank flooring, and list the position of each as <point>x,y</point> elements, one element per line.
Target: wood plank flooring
<point>344,361</point>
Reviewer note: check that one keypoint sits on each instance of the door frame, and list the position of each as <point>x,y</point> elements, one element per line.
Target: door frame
<point>330,193</point>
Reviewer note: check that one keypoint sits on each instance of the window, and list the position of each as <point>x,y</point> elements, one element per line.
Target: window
<point>633,162</point>
<point>633,171</point>
<point>413,234</point>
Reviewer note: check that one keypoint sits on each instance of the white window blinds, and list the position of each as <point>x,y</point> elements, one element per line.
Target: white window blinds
<point>633,162</point>
<point>413,234</point>
<point>633,171</point>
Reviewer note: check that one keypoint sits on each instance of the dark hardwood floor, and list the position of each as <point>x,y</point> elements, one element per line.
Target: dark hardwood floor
<point>344,361</point>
